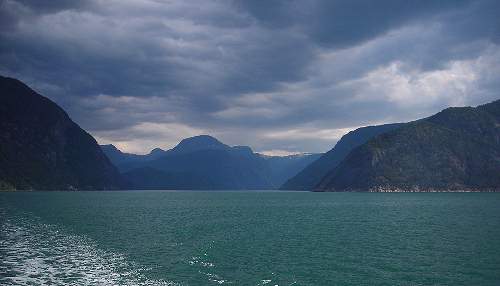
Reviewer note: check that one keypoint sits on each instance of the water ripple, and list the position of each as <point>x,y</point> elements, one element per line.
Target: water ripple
<point>34,253</point>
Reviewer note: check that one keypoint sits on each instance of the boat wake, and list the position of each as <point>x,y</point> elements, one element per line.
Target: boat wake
<point>34,253</point>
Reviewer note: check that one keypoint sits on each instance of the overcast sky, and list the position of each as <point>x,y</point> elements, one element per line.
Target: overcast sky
<point>279,76</point>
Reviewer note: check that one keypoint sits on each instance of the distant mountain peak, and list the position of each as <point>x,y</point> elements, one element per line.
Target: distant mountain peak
<point>200,142</point>
<point>203,162</point>
<point>156,151</point>
<point>202,138</point>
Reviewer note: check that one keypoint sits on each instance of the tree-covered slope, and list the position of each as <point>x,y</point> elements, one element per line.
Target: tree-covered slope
<point>456,149</point>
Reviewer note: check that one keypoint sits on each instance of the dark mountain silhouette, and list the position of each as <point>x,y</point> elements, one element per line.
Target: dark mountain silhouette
<point>42,148</point>
<point>198,143</point>
<point>203,162</point>
<point>456,149</point>
<point>148,178</point>
<point>125,161</point>
<point>312,174</point>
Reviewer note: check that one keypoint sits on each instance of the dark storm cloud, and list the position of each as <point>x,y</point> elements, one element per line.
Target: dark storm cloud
<point>54,5</point>
<point>345,23</point>
<point>11,12</point>
<point>290,75</point>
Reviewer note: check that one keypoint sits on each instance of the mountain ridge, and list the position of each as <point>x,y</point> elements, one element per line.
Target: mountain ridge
<point>457,149</point>
<point>42,148</point>
<point>313,173</point>
<point>206,159</point>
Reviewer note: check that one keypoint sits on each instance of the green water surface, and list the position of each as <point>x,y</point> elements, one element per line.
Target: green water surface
<point>249,238</point>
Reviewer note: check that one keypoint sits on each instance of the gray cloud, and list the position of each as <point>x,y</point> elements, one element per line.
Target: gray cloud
<point>277,75</point>
<point>345,23</point>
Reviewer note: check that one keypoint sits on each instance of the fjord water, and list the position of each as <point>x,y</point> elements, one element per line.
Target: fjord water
<point>249,238</point>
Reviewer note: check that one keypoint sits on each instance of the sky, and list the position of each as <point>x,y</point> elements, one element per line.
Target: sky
<point>280,76</point>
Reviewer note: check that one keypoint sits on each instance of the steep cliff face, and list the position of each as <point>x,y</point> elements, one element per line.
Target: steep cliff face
<point>42,148</point>
<point>456,149</point>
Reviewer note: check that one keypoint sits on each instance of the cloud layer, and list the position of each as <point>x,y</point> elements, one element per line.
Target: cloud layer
<point>280,76</point>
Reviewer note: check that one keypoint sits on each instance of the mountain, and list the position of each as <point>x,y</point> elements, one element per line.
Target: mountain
<point>203,162</point>
<point>42,148</point>
<point>285,167</point>
<point>199,143</point>
<point>455,149</point>
<point>148,178</point>
<point>311,175</point>
<point>222,169</point>
<point>126,161</point>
